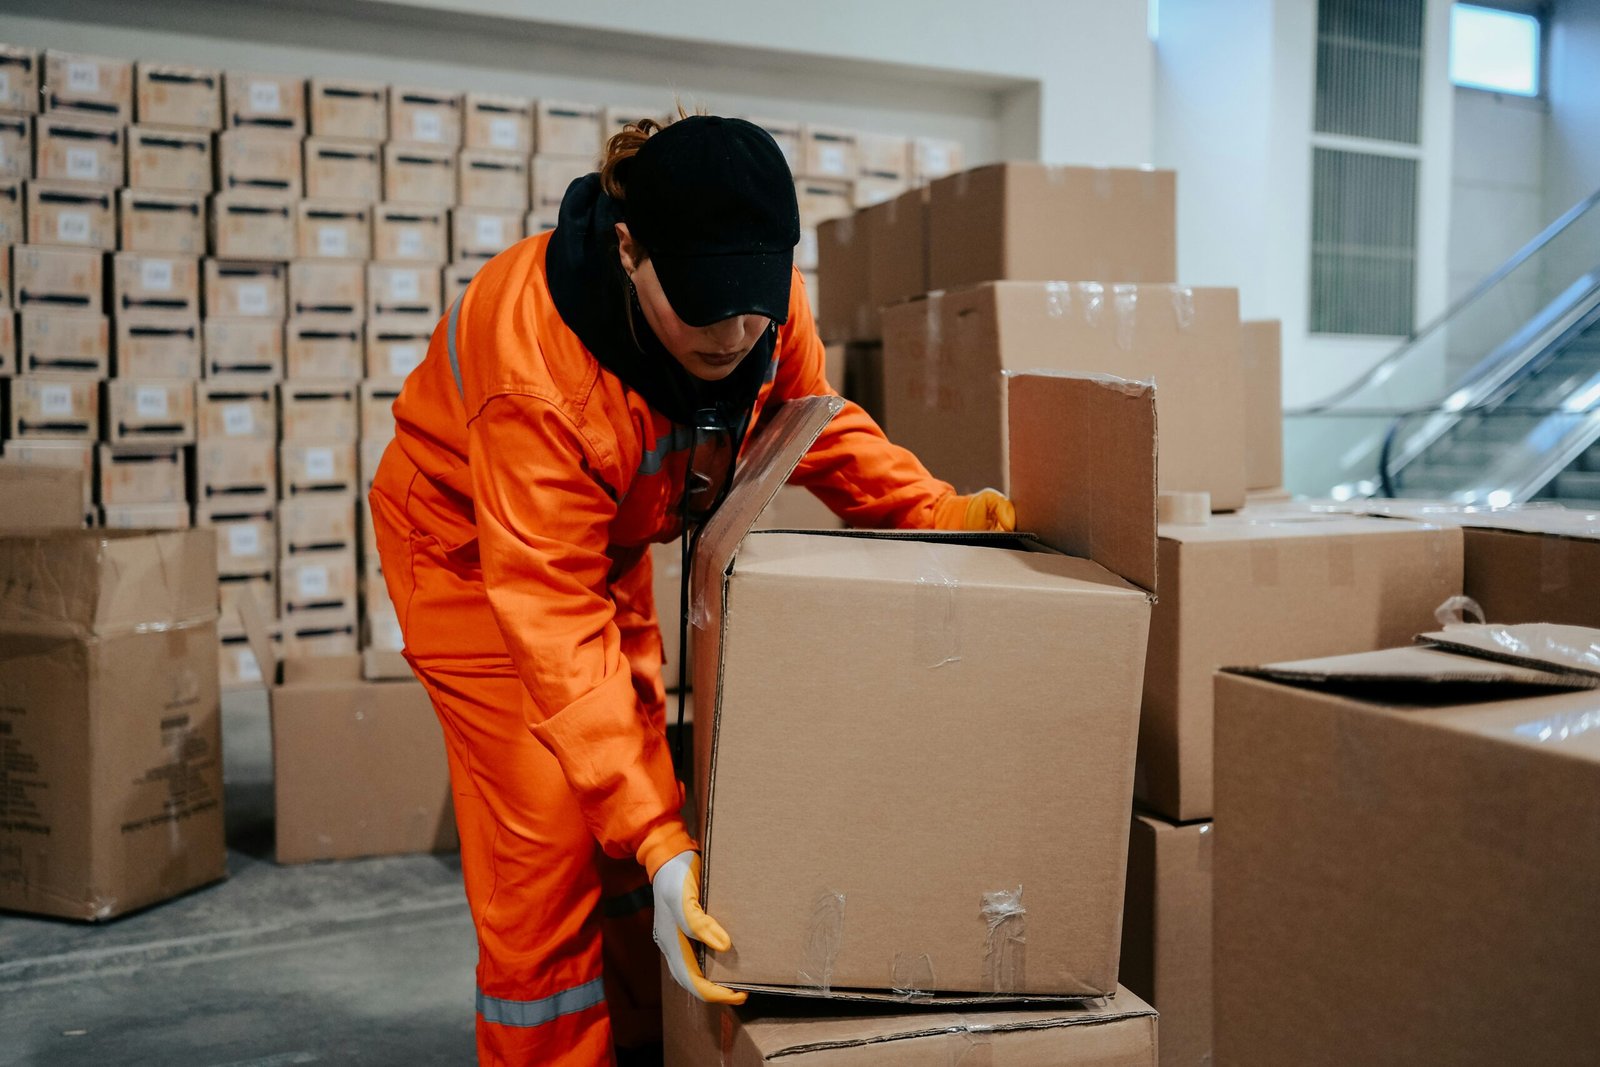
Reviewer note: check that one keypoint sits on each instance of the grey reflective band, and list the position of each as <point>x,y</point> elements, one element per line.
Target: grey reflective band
<point>680,438</point>
<point>628,903</point>
<point>772,368</point>
<point>450,343</point>
<point>539,1012</point>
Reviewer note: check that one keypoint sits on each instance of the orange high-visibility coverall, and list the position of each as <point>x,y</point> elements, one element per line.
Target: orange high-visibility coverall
<point>513,519</point>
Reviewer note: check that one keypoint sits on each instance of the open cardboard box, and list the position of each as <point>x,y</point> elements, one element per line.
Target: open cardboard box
<point>358,766</point>
<point>918,759</point>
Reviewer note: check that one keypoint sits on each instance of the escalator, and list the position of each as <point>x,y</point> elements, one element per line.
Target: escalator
<point>1496,402</point>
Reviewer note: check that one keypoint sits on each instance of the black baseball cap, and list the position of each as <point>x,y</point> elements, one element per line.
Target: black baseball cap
<point>713,202</point>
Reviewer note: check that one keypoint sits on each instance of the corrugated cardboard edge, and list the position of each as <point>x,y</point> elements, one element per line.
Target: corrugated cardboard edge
<point>1539,646</point>
<point>259,635</point>
<point>973,1025</point>
<point>1417,665</point>
<point>1083,467</point>
<point>998,1001</point>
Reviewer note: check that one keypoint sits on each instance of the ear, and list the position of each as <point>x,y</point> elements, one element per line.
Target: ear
<point>627,250</point>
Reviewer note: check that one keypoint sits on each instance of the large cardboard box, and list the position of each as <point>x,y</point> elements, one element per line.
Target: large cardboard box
<point>75,456</point>
<point>63,342</point>
<point>319,410</point>
<point>8,342</point>
<point>1262,342</point>
<point>822,199</point>
<point>13,199</point>
<point>235,473</point>
<point>897,249</point>
<point>882,155</point>
<point>869,192</point>
<point>482,233</point>
<point>327,287</point>
<point>355,110</point>
<point>419,174</point>
<point>237,409</point>
<point>378,394</point>
<point>143,476</point>
<point>321,633</point>
<point>63,407</point>
<point>424,116</point>
<point>1117,1032</point>
<point>252,226</point>
<point>317,582</point>
<point>567,129</point>
<point>945,356</point>
<point>921,631</point>
<point>323,468</point>
<point>410,233</point>
<point>1032,222</point>
<point>317,526</point>
<point>244,348</point>
<point>243,290</point>
<point>1166,932</point>
<point>142,282</point>
<point>259,161</point>
<point>933,158</point>
<point>828,152</point>
<point>549,177</point>
<point>108,659</point>
<point>843,313</point>
<point>326,347</point>
<point>266,102</point>
<point>16,148</point>
<point>178,160</point>
<point>96,86</point>
<point>405,292</point>
<point>1420,822</point>
<point>333,229</point>
<point>20,91</point>
<point>156,344</point>
<point>145,516</point>
<point>237,667</point>
<point>169,95</point>
<point>247,540</point>
<point>1534,565</point>
<point>1253,588</point>
<point>494,179</point>
<point>36,496</point>
<point>74,149</point>
<point>63,279</point>
<point>500,122</point>
<point>396,344</point>
<point>67,213</point>
<point>343,170</point>
<point>173,223</point>
<point>145,412</point>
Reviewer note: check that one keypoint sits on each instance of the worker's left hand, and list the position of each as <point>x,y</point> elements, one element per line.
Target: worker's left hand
<point>680,917</point>
<point>987,509</point>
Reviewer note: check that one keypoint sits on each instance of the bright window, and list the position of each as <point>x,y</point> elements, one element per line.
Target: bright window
<point>1494,50</point>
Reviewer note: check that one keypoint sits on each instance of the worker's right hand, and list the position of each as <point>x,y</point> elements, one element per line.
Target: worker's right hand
<point>680,917</point>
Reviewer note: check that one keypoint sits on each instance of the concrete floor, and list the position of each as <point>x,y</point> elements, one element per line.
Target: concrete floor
<point>367,962</point>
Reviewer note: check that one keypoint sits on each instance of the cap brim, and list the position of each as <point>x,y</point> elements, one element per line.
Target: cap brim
<point>707,289</point>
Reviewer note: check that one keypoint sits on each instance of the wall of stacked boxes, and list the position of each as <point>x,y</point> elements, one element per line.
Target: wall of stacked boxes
<point>217,282</point>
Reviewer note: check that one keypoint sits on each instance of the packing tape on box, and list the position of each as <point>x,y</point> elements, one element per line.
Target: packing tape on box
<point>934,355</point>
<point>972,1048</point>
<point>1006,944</point>
<point>1057,299</point>
<point>936,630</point>
<point>1556,729</point>
<point>823,938</point>
<point>1182,305</point>
<point>1092,297</point>
<point>1184,509</point>
<point>1125,304</point>
<point>911,976</point>
<point>1458,611</point>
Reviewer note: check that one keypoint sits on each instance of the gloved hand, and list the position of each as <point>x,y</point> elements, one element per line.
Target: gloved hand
<point>678,918</point>
<point>987,509</point>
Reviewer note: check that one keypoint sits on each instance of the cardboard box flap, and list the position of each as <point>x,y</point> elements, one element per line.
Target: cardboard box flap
<point>1083,467</point>
<point>914,1000</point>
<point>1418,675</point>
<point>1535,645</point>
<point>763,469</point>
<point>98,582</point>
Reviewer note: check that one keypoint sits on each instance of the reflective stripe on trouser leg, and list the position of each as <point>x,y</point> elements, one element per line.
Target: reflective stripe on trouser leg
<point>538,1012</point>
<point>450,343</point>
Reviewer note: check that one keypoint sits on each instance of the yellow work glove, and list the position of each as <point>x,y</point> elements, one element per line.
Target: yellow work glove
<point>680,917</point>
<point>987,509</point>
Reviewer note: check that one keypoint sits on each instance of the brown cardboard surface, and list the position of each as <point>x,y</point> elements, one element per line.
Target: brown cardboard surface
<point>166,94</point>
<point>34,497</point>
<point>342,107</point>
<point>500,122</point>
<point>63,342</point>
<point>1032,222</point>
<point>162,222</point>
<point>234,590</point>
<point>869,192</point>
<point>66,213</point>
<point>564,128</point>
<point>252,226</point>
<point>1249,588</point>
<point>97,86</point>
<point>316,526</point>
<point>267,102</point>
<point>16,148</point>
<point>237,664</point>
<point>1116,1032</point>
<point>173,160</point>
<point>550,175</point>
<point>819,898</point>
<point>243,473</point>
<point>327,287</point>
<point>58,407</point>
<point>317,410</point>
<point>333,229</point>
<point>424,116</point>
<point>843,313</point>
<point>76,148</point>
<point>59,279</point>
<point>1442,839</point>
<point>8,343</point>
<point>419,174</point>
<point>863,379</point>
<point>796,508</point>
<point>410,232</point>
<point>21,91</point>
<point>243,348</point>
<point>1539,565</point>
<point>142,411</point>
<point>397,343</point>
<point>1166,932</point>
<point>245,290</point>
<point>317,581</point>
<point>143,282</point>
<point>237,409</point>
<point>1262,343</point>
<point>145,516</point>
<point>881,155</point>
<point>321,467</point>
<point>343,170</point>
<point>156,344</point>
<point>934,157</point>
<point>247,539</point>
<point>456,277</point>
<point>944,356</point>
<point>328,347</point>
<point>143,476</point>
<point>12,198</point>
<point>482,233</point>
<point>70,455</point>
<point>897,250</point>
<point>404,293</point>
<point>823,199</point>
<point>494,179</point>
<point>259,161</point>
<point>828,152</point>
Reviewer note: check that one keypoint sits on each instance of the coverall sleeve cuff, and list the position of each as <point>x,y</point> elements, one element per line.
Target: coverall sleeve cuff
<point>663,843</point>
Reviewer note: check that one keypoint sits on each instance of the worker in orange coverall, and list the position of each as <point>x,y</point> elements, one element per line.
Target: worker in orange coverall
<point>586,395</point>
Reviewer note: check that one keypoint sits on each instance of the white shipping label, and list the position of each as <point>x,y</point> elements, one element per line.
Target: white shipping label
<point>936,160</point>
<point>425,126</point>
<point>150,402</point>
<point>403,359</point>
<point>264,98</point>
<point>83,77</point>
<point>5,84</point>
<point>83,164</point>
<point>491,231</point>
<point>331,241</point>
<point>251,298</point>
<point>244,540</point>
<point>408,243</point>
<point>238,420</point>
<point>55,400</point>
<point>245,666</point>
<point>405,285</point>
<point>155,275</point>
<point>502,131</point>
<point>319,463</point>
<point>830,159</point>
<point>73,227</point>
<point>313,581</point>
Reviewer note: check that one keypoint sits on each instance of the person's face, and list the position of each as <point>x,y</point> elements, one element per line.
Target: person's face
<point>710,353</point>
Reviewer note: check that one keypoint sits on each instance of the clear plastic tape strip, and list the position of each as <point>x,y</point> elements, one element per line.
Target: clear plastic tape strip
<point>1182,306</point>
<point>1457,611</point>
<point>1574,646</point>
<point>1006,944</point>
<point>972,1047</point>
<point>1556,729</point>
<point>912,977</point>
<point>1057,299</point>
<point>1092,297</point>
<point>824,936</point>
<point>1125,303</point>
<point>936,631</point>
